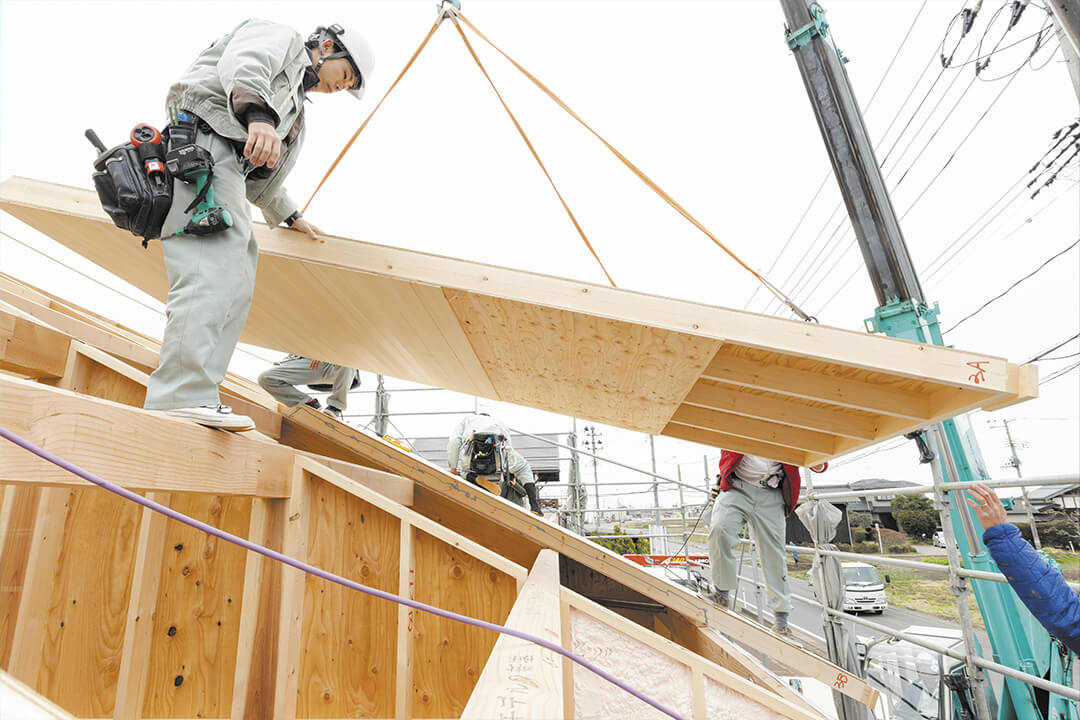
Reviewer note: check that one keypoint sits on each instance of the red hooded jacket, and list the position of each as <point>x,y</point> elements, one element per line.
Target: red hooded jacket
<point>790,485</point>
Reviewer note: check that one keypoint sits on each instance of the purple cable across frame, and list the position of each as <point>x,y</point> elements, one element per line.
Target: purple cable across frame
<point>317,572</point>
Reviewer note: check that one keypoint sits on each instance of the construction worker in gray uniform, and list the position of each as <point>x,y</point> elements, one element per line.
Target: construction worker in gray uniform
<point>282,380</point>
<point>239,111</point>
<point>479,450</point>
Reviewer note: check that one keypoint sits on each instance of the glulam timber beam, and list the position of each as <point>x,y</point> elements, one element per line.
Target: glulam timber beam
<point>145,450</point>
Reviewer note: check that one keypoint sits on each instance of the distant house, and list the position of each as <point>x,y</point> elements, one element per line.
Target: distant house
<point>1047,500</point>
<point>877,504</point>
<point>543,457</point>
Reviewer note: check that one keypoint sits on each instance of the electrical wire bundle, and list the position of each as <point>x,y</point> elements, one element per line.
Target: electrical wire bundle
<point>1067,138</point>
<point>819,263</point>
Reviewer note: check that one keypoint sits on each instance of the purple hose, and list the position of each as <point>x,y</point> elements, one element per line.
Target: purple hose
<point>312,570</point>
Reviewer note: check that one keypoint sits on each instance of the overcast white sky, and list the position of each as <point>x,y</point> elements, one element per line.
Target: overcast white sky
<point>704,96</point>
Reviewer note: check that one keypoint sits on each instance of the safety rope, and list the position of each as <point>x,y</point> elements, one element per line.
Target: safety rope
<point>779,294</point>
<point>323,574</point>
<point>363,125</point>
<point>532,149</point>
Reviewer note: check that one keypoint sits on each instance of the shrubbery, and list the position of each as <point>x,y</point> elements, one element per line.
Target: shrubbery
<point>623,545</point>
<point>915,515</point>
<point>1056,533</point>
<point>895,549</point>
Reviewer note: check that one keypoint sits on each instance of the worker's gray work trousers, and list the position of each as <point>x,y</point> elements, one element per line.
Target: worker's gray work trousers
<point>211,280</point>
<point>763,508</point>
<point>282,379</point>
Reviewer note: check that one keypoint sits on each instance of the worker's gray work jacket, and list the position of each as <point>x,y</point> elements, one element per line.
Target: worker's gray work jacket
<point>268,59</point>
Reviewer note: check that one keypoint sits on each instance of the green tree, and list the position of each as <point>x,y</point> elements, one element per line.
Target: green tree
<point>860,519</point>
<point>623,545</point>
<point>915,514</point>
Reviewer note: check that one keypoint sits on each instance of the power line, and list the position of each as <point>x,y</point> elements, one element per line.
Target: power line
<point>806,298</point>
<point>1062,357</point>
<point>1013,286</point>
<point>1044,353</point>
<point>951,245</point>
<point>896,116</point>
<point>1006,237</point>
<point>1012,232</point>
<point>956,149</point>
<point>1059,373</point>
<point>830,248</point>
<point>828,174</point>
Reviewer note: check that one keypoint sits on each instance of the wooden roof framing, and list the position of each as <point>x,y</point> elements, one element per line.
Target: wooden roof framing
<point>458,538</point>
<point>789,390</point>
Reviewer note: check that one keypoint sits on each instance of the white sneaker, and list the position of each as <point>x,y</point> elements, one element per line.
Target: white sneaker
<point>215,416</point>
<point>333,412</point>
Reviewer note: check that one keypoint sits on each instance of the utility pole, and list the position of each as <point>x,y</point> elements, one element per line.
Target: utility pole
<point>655,485</point>
<point>382,408</point>
<point>594,443</point>
<point>576,501</point>
<point>1014,462</point>
<point>1067,19</point>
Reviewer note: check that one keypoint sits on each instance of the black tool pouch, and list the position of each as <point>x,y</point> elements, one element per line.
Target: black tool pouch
<point>134,200</point>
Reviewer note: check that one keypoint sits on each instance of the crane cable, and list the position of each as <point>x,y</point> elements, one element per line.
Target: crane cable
<point>364,124</point>
<point>777,292</point>
<point>532,149</point>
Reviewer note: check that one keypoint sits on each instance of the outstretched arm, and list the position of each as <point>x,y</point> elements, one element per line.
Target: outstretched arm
<point>1040,587</point>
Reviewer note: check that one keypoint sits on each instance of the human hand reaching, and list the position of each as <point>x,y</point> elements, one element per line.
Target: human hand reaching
<point>987,506</point>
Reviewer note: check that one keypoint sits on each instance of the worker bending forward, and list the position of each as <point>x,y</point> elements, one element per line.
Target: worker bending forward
<point>281,381</point>
<point>239,109</point>
<point>762,492</point>
<point>479,450</point>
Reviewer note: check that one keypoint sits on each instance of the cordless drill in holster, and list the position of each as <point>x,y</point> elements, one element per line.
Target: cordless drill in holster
<point>189,162</point>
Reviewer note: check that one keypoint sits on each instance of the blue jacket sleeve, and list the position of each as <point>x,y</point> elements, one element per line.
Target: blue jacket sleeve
<point>1040,587</point>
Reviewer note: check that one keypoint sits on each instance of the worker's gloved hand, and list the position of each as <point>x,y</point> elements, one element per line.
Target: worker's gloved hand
<point>714,492</point>
<point>534,499</point>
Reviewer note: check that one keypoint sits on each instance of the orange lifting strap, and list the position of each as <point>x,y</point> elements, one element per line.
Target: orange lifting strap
<point>777,292</point>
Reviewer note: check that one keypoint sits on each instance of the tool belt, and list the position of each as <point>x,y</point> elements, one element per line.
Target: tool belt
<point>134,196</point>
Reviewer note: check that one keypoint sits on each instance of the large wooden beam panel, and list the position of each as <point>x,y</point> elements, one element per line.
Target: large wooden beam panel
<point>158,453</point>
<point>521,679</point>
<point>563,344</point>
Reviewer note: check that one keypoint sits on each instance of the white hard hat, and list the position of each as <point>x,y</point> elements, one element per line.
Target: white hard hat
<point>355,47</point>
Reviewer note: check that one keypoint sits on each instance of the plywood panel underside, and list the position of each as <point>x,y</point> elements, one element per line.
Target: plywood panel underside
<point>794,391</point>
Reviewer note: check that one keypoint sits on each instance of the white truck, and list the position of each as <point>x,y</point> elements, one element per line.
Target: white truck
<point>864,590</point>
